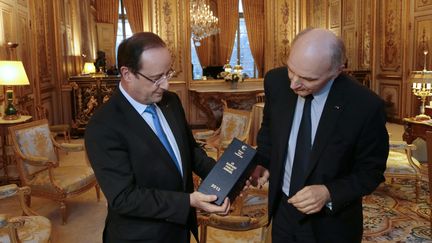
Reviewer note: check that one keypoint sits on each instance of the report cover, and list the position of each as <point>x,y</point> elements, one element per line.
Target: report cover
<point>230,172</point>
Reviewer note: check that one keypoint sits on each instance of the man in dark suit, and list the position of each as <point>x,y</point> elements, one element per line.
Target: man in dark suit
<point>324,142</point>
<point>143,152</point>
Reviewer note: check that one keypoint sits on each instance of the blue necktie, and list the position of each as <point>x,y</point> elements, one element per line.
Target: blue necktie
<point>161,134</point>
<point>303,148</point>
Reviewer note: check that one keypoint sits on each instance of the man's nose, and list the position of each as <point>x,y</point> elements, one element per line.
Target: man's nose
<point>164,85</point>
<point>295,82</point>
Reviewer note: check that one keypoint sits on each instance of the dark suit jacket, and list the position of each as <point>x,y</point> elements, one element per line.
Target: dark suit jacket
<point>148,200</point>
<point>348,156</point>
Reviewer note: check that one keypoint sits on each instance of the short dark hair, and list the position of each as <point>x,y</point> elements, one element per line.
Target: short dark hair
<point>130,49</point>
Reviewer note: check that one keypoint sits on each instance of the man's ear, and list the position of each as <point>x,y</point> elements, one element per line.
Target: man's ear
<point>126,73</point>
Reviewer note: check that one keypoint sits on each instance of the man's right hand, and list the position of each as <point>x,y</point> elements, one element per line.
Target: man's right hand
<point>204,202</point>
<point>259,177</point>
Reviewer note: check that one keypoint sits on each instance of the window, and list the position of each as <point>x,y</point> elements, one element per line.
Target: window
<point>197,71</point>
<point>123,28</point>
<point>241,52</point>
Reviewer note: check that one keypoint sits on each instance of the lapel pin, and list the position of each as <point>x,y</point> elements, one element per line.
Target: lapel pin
<point>337,107</point>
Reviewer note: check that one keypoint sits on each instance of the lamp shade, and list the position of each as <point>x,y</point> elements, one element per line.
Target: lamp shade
<point>13,73</point>
<point>89,67</point>
<point>421,77</point>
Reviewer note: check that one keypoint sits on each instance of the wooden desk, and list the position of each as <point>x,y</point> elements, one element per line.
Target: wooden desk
<point>208,99</point>
<point>7,158</point>
<point>415,129</point>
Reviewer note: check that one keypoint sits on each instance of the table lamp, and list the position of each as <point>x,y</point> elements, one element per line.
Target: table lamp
<point>12,73</point>
<point>89,68</point>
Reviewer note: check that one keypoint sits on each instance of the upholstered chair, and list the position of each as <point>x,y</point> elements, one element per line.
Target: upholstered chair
<point>64,129</point>
<point>248,211</point>
<point>40,169</point>
<point>235,124</point>
<point>27,228</point>
<point>402,165</point>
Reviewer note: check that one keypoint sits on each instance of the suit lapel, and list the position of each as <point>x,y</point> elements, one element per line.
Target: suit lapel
<point>143,131</point>
<point>334,106</point>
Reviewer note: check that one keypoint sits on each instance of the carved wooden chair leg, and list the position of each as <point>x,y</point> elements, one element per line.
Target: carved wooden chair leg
<point>63,212</point>
<point>417,189</point>
<point>203,233</point>
<point>27,200</point>
<point>97,187</point>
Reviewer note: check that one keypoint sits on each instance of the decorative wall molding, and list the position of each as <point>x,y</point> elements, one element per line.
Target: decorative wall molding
<point>392,48</point>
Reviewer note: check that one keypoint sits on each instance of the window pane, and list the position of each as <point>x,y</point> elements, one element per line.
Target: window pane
<point>196,65</point>
<point>128,28</point>
<point>119,27</point>
<point>246,58</point>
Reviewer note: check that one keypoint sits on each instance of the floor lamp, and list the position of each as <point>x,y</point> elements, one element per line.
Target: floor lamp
<point>12,73</point>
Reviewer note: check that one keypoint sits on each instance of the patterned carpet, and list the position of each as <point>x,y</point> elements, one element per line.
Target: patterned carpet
<point>388,217</point>
<point>391,214</point>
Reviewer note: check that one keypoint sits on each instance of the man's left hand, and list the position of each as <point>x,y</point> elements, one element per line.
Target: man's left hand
<point>310,199</point>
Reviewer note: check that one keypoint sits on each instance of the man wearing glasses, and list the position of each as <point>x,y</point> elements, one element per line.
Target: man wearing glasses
<point>143,152</point>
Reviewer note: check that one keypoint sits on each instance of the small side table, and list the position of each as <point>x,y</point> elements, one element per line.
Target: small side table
<point>5,159</point>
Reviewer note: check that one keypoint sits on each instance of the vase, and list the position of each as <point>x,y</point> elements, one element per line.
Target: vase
<point>234,85</point>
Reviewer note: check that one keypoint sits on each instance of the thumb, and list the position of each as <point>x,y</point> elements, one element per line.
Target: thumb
<point>208,198</point>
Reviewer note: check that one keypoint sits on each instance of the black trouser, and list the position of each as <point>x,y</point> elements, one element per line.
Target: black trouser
<point>287,229</point>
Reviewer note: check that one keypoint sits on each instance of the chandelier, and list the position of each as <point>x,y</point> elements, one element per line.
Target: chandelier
<point>203,23</point>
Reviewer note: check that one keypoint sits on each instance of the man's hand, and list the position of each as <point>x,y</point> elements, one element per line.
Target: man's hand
<point>258,178</point>
<point>310,199</point>
<point>204,202</point>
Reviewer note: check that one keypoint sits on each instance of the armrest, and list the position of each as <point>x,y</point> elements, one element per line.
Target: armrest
<point>204,134</point>
<point>38,160</point>
<point>71,147</point>
<point>8,190</point>
<point>401,145</point>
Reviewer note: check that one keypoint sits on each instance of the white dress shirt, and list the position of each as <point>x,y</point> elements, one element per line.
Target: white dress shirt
<point>140,108</point>
<point>317,107</point>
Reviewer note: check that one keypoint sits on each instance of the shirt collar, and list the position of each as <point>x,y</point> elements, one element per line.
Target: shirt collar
<point>140,108</point>
<point>323,93</point>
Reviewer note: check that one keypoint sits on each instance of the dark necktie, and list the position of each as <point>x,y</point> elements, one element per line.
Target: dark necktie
<point>303,148</point>
<point>161,134</point>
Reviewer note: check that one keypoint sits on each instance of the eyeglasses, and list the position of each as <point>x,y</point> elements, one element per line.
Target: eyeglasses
<point>158,81</point>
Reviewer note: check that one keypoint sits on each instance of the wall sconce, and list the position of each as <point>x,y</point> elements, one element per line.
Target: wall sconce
<point>12,73</point>
<point>89,68</point>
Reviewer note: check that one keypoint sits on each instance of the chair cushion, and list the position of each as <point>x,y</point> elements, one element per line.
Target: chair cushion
<point>36,229</point>
<point>397,163</point>
<point>233,125</point>
<point>69,178</point>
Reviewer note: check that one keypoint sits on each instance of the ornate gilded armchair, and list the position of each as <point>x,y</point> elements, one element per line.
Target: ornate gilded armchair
<point>40,169</point>
<point>235,124</point>
<point>27,228</point>
<point>247,212</point>
<point>401,164</point>
<point>64,129</point>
